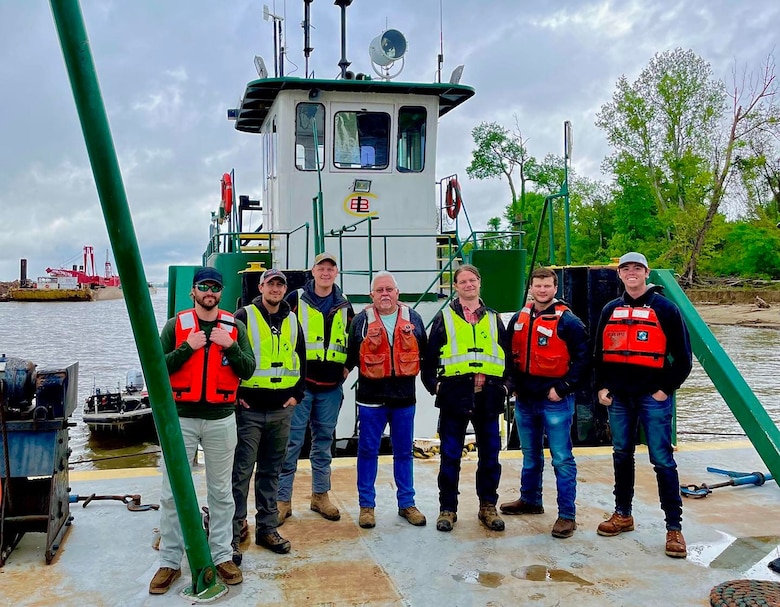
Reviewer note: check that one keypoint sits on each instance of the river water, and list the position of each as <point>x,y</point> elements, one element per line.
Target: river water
<point>98,336</point>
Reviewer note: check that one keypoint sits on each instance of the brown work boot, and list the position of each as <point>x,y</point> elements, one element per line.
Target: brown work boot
<point>320,502</point>
<point>564,527</point>
<point>489,516</point>
<point>230,573</point>
<point>615,525</point>
<point>273,541</point>
<point>521,507</point>
<point>675,544</point>
<point>285,511</point>
<point>366,519</point>
<point>446,520</point>
<point>163,580</point>
<point>413,515</point>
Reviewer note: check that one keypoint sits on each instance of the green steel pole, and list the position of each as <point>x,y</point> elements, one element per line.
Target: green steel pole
<point>319,222</point>
<point>551,230</point>
<point>566,160</point>
<point>113,199</point>
<point>748,410</point>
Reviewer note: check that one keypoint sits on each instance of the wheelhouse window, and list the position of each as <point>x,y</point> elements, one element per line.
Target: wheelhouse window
<point>411,139</point>
<point>361,140</point>
<point>307,115</point>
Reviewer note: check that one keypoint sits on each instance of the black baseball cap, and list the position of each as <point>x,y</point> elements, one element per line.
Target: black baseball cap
<point>207,275</point>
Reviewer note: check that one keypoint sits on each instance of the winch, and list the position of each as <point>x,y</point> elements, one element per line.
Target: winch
<point>34,409</point>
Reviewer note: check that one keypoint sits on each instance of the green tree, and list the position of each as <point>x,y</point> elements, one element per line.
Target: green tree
<point>498,153</point>
<point>675,147</point>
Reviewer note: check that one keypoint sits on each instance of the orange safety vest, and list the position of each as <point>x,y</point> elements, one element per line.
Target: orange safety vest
<point>546,355</point>
<point>634,336</point>
<point>378,359</point>
<point>207,373</point>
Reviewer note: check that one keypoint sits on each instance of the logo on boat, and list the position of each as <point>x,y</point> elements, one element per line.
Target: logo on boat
<point>361,204</point>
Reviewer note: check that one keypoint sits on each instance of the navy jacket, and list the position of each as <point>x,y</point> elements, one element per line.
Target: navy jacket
<point>636,380</point>
<point>573,332</point>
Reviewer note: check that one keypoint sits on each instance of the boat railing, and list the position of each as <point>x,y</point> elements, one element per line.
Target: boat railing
<point>257,242</point>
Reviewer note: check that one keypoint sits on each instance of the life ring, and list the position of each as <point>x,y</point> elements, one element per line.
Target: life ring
<point>454,199</point>
<point>227,193</point>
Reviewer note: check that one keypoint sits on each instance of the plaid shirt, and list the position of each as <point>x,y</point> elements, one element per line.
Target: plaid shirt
<point>479,378</point>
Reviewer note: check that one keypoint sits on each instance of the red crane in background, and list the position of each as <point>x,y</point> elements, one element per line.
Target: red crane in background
<point>87,274</point>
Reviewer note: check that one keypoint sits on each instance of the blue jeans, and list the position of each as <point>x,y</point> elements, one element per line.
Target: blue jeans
<point>321,411</point>
<point>262,441</point>
<point>535,418</point>
<point>656,419</point>
<point>452,432</point>
<point>371,424</point>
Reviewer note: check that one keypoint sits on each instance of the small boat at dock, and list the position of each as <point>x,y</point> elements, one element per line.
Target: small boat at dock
<point>121,411</point>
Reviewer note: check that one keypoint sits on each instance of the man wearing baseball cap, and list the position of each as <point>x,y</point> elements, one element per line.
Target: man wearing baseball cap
<point>642,355</point>
<point>267,401</point>
<point>325,316</point>
<point>204,342</point>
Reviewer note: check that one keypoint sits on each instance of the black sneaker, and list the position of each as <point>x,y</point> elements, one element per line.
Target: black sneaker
<point>273,541</point>
<point>238,556</point>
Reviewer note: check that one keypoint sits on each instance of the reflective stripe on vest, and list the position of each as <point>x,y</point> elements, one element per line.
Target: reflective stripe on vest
<point>276,363</point>
<point>379,359</point>
<point>471,348</point>
<point>313,325</point>
<point>207,374</point>
<point>545,354</point>
<point>634,336</point>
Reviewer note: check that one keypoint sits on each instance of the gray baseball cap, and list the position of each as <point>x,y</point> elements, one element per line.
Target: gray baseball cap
<point>633,257</point>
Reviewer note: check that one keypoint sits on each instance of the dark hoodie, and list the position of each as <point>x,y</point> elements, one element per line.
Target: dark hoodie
<point>323,375</point>
<point>262,398</point>
<point>636,380</point>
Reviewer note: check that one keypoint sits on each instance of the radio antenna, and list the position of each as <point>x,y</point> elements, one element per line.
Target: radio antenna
<point>307,48</point>
<point>440,59</point>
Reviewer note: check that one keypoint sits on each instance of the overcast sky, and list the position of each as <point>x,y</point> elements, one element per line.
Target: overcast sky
<point>169,69</point>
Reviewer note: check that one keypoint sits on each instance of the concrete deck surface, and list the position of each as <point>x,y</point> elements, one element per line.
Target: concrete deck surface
<point>107,559</point>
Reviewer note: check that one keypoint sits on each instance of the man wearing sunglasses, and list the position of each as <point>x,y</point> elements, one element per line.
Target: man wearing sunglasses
<point>267,400</point>
<point>207,352</point>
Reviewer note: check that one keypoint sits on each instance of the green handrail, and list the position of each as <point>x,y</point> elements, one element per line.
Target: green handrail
<point>744,404</point>
<point>113,199</point>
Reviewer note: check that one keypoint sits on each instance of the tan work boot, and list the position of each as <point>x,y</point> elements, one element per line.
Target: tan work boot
<point>489,516</point>
<point>413,515</point>
<point>320,502</point>
<point>446,520</point>
<point>230,573</point>
<point>675,544</point>
<point>285,511</point>
<point>163,580</point>
<point>615,525</point>
<point>366,519</point>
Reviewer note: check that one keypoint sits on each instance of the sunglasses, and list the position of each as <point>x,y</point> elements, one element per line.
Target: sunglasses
<point>205,288</point>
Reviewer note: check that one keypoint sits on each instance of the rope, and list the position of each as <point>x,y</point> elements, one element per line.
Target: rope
<point>744,593</point>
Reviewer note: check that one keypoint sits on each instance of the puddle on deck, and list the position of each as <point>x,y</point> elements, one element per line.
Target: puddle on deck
<point>542,573</point>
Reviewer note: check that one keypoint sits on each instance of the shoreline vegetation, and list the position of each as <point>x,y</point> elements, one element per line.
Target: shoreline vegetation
<point>739,303</point>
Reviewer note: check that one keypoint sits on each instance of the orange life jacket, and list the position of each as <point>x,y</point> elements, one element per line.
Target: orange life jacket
<point>378,358</point>
<point>207,373</point>
<point>546,355</point>
<point>634,336</point>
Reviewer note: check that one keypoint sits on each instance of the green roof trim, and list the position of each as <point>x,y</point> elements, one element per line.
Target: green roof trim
<point>260,94</point>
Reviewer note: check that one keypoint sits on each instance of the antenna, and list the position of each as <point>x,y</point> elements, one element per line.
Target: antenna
<point>440,58</point>
<point>343,63</point>
<point>278,44</point>
<point>307,48</point>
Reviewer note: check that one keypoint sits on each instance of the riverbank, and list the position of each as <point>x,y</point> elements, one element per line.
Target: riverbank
<point>747,315</point>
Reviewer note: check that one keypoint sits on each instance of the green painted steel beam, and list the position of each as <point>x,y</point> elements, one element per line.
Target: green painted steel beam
<point>113,199</point>
<point>744,404</point>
